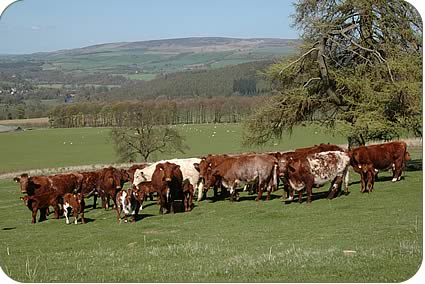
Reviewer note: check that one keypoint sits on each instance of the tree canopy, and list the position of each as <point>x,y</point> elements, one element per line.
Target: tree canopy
<point>360,67</point>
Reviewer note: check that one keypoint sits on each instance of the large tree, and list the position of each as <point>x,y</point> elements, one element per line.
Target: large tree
<point>360,66</point>
<point>146,137</point>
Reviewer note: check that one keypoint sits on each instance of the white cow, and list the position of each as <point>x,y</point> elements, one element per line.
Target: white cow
<point>186,166</point>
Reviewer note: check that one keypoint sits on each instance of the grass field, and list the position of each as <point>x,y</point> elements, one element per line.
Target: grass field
<point>245,241</point>
<point>47,148</point>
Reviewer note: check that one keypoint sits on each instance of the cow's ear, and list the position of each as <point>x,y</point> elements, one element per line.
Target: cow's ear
<point>177,167</point>
<point>17,179</point>
<point>196,165</point>
<point>159,167</point>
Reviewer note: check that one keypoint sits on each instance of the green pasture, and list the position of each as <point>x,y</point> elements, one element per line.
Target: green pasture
<point>245,241</point>
<point>374,237</point>
<point>51,148</point>
<point>157,62</point>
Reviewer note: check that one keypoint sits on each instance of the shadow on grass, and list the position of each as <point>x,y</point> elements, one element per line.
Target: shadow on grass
<point>413,165</point>
<point>143,216</point>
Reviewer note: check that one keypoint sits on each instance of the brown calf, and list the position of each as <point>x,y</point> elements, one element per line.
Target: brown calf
<point>130,202</point>
<point>75,201</point>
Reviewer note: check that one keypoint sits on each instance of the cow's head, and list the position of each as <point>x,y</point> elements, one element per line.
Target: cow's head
<point>168,170</point>
<point>139,177</point>
<point>293,166</point>
<point>24,181</point>
<point>125,176</point>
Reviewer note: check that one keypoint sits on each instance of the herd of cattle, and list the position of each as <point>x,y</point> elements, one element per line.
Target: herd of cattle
<point>180,179</point>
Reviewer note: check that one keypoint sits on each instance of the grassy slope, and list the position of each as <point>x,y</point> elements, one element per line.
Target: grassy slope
<point>243,241</point>
<point>45,148</point>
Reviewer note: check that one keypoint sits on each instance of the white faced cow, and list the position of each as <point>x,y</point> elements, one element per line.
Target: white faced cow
<point>187,167</point>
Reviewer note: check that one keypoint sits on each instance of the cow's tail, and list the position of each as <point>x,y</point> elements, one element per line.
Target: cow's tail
<point>346,180</point>
<point>200,189</point>
<point>275,177</point>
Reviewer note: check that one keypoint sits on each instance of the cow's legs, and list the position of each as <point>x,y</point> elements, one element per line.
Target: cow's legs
<point>82,214</point>
<point>43,214</point>
<point>309,187</point>
<point>119,214</point>
<point>260,189</point>
<point>65,213</point>
<point>75,211</point>
<point>335,187</point>
<point>397,170</point>
<point>34,215</point>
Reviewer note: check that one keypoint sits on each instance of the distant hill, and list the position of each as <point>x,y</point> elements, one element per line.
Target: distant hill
<point>179,45</point>
<point>114,63</point>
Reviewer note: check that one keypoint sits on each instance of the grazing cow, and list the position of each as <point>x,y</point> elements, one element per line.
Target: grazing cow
<point>39,201</point>
<point>130,202</point>
<point>187,167</point>
<point>303,172</point>
<point>167,179</point>
<point>74,201</point>
<point>382,157</point>
<point>245,168</point>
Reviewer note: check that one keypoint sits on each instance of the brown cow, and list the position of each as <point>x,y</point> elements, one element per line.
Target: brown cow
<point>75,201</point>
<point>56,186</point>
<point>31,184</point>
<point>167,180</point>
<point>111,181</point>
<point>39,201</point>
<point>90,185</point>
<point>205,167</point>
<point>382,157</point>
<point>246,168</point>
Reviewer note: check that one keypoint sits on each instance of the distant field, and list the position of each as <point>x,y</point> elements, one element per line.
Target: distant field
<point>47,148</point>
<point>154,63</point>
<point>29,122</point>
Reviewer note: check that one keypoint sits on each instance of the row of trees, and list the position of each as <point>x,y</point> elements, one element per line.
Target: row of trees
<point>167,111</point>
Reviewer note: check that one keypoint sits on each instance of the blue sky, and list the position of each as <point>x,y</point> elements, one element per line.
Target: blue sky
<point>31,26</point>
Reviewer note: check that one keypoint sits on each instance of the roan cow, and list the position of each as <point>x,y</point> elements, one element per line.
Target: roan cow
<point>303,172</point>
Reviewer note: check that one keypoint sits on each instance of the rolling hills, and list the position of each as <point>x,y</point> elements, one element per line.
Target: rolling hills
<point>144,60</point>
